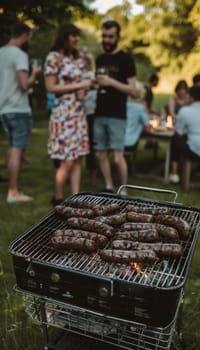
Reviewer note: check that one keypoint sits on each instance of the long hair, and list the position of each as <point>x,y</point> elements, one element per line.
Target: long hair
<point>61,41</point>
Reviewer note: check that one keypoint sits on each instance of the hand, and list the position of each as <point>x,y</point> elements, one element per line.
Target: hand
<point>103,80</point>
<point>37,71</point>
<point>87,83</point>
<point>80,94</point>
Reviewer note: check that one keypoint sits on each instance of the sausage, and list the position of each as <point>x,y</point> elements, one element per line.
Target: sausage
<point>59,209</point>
<point>182,226</point>
<point>124,256</point>
<point>141,235</point>
<point>106,209</point>
<point>163,230</point>
<point>139,217</point>
<point>166,249</point>
<point>78,212</point>
<point>91,225</point>
<point>79,204</point>
<point>100,239</point>
<point>80,244</point>
<point>148,210</point>
<point>113,220</point>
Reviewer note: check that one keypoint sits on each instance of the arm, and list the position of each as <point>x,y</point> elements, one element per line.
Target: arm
<point>171,107</point>
<point>24,80</point>
<point>127,88</point>
<point>53,86</point>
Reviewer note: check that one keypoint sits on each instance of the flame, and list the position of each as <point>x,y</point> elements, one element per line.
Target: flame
<point>169,122</point>
<point>138,269</point>
<point>153,122</point>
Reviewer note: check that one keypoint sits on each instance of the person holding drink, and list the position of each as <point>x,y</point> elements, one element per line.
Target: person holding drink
<point>116,77</point>
<point>68,133</point>
<point>15,110</point>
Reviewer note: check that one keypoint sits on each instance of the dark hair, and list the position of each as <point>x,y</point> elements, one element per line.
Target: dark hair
<point>112,24</point>
<point>63,33</point>
<point>18,29</point>
<point>182,84</point>
<point>153,78</point>
<point>194,92</point>
<point>196,79</point>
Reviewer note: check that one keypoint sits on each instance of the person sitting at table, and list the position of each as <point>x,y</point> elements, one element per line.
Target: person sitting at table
<point>196,80</point>
<point>186,141</point>
<point>179,99</point>
<point>137,121</point>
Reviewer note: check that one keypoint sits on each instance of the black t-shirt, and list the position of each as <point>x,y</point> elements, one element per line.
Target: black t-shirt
<point>119,66</point>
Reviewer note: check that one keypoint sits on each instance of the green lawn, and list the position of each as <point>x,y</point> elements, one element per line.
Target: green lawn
<point>17,332</point>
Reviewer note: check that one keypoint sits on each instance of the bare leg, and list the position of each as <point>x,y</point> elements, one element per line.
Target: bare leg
<point>174,167</point>
<point>105,168</point>
<point>61,176</point>
<point>15,156</point>
<point>122,166</point>
<point>75,176</point>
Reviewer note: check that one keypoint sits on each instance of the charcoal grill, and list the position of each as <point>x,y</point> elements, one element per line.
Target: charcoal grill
<point>111,290</point>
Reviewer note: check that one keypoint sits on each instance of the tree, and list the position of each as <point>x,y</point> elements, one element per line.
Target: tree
<point>40,13</point>
<point>168,35</point>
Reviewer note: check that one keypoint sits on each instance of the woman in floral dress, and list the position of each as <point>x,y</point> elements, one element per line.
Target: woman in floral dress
<point>68,134</point>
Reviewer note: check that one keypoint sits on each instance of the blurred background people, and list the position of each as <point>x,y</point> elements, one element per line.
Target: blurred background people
<point>137,121</point>
<point>179,99</point>
<point>15,110</point>
<point>186,142</point>
<point>149,96</point>
<point>196,80</point>
<point>68,132</point>
<point>116,75</point>
<point>150,109</point>
<point>90,106</point>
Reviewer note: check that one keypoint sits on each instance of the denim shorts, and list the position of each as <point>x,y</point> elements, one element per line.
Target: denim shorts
<point>109,133</point>
<point>17,127</point>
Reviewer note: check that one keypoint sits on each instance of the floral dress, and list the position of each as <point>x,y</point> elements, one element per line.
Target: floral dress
<point>68,133</point>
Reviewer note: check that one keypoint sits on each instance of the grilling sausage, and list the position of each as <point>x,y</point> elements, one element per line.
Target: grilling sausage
<point>67,242</point>
<point>127,256</point>
<point>113,220</point>
<point>163,230</point>
<point>148,210</point>
<point>100,239</point>
<point>78,212</point>
<point>139,217</point>
<point>106,209</point>
<point>141,235</point>
<point>79,204</point>
<point>166,249</point>
<point>180,224</point>
<point>91,225</point>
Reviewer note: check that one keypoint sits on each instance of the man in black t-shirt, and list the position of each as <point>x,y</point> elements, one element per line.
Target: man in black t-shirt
<point>116,76</point>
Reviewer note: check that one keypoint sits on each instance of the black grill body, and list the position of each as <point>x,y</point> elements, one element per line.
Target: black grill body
<point>85,280</point>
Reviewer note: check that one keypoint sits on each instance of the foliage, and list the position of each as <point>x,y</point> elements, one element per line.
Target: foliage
<point>170,34</point>
<point>40,13</point>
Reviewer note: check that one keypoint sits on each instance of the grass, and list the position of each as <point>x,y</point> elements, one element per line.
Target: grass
<point>17,332</point>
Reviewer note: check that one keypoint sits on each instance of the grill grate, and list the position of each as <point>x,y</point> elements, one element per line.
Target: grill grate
<point>169,272</point>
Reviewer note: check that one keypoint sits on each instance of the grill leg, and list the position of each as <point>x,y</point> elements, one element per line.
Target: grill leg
<point>44,326</point>
<point>179,343</point>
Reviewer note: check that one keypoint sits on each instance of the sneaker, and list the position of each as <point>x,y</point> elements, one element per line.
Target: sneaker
<point>123,193</point>
<point>174,178</point>
<point>55,201</point>
<point>108,190</point>
<point>21,197</point>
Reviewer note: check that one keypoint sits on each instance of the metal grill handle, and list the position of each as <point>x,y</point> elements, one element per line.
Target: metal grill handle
<point>152,189</point>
